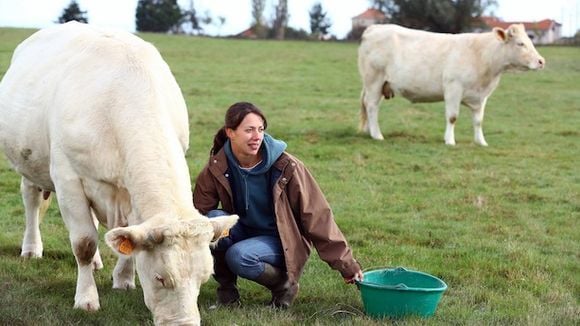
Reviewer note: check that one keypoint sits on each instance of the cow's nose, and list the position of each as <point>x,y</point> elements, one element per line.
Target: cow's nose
<point>541,62</point>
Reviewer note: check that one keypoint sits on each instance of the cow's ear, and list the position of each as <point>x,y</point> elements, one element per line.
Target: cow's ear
<point>221,225</point>
<point>500,33</point>
<point>124,240</point>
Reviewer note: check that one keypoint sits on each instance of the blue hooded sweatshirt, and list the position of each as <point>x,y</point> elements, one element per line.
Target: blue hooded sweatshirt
<point>252,189</point>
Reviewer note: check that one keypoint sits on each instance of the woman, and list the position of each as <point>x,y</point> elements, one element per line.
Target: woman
<point>281,208</point>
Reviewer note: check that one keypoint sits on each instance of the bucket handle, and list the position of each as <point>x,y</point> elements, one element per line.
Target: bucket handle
<point>398,269</point>
<point>400,286</point>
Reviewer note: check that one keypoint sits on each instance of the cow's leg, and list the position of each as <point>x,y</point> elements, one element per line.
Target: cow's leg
<point>371,101</point>
<point>452,103</point>
<point>76,213</point>
<point>477,112</point>
<point>32,199</point>
<point>363,118</point>
<point>97,262</point>
<point>124,274</point>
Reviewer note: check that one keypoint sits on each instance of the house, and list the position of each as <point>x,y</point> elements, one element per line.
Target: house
<point>367,18</point>
<point>545,31</point>
<point>248,33</point>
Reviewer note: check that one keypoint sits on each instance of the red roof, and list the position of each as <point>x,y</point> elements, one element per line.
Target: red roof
<point>248,33</point>
<point>371,13</point>
<point>541,25</point>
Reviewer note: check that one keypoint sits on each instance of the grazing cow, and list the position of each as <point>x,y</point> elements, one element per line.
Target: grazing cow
<point>97,117</point>
<point>431,67</point>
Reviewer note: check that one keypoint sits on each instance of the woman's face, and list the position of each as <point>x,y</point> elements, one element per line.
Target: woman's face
<point>247,137</point>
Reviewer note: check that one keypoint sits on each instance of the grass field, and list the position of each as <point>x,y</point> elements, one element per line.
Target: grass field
<point>500,225</point>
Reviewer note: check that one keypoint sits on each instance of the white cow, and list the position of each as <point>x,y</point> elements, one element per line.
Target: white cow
<point>431,67</point>
<point>97,117</point>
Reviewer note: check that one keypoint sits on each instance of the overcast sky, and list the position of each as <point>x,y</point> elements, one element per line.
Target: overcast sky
<point>237,13</point>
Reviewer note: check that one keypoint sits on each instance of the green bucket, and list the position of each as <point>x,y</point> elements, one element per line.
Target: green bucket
<point>398,292</point>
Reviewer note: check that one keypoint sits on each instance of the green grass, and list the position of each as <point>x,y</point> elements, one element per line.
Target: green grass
<point>500,225</point>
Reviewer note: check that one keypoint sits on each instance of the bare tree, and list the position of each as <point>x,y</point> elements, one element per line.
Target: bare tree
<point>281,19</point>
<point>258,7</point>
<point>258,25</point>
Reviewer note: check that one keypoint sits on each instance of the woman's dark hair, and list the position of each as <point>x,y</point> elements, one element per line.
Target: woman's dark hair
<point>234,116</point>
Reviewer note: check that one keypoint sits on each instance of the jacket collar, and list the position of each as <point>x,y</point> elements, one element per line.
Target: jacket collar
<point>218,166</point>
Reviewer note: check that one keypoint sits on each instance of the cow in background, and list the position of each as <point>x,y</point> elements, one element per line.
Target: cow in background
<point>431,67</point>
<point>97,117</point>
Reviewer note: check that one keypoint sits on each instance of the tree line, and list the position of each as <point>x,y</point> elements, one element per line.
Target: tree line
<point>162,16</point>
<point>166,16</point>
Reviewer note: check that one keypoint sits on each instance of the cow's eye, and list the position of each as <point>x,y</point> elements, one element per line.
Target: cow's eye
<point>520,43</point>
<point>160,279</point>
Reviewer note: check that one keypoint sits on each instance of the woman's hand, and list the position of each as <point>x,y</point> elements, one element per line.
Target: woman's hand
<point>358,276</point>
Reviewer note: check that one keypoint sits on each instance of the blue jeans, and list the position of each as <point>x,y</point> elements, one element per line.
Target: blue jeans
<point>245,254</point>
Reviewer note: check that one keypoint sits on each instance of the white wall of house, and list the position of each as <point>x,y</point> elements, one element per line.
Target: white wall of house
<point>546,36</point>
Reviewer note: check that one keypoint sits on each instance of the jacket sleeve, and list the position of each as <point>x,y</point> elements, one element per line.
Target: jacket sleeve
<point>315,215</point>
<point>205,195</point>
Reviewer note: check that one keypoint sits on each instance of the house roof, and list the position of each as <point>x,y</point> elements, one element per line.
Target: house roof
<point>248,33</point>
<point>542,25</point>
<point>371,13</point>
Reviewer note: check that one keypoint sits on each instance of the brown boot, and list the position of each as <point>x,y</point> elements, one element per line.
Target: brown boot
<point>276,280</point>
<point>227,292</point>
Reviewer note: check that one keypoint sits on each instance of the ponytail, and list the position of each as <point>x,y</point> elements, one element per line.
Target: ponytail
<point>219,140</point>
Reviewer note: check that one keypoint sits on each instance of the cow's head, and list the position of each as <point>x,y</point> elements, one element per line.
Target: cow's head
<point>520,50</point>
<point>173,259</point>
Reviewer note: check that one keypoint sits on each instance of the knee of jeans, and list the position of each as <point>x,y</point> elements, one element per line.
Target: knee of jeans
<point>216,213</point>
<point>242,264</point>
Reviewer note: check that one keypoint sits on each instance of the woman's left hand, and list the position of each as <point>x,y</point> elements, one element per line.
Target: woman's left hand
<point>358,276</point>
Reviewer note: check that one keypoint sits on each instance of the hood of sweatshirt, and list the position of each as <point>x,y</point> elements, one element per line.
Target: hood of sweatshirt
<point>252,188</point>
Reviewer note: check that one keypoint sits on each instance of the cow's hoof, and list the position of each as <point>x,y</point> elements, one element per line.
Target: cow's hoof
<point>35,253</point>
<point>378,137</point>
<point>97,263</point>
<point>124,285</point>
<point>88,305</point>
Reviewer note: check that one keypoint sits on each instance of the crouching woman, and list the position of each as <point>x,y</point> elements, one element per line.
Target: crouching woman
<point>282,211</point>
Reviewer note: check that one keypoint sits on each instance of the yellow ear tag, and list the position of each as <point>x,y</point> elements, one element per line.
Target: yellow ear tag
<point>225,233</point>
<point>126,247</point>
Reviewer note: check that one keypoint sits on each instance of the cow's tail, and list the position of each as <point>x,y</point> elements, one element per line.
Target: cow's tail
<point>363,112</point>
<point>44,204</point>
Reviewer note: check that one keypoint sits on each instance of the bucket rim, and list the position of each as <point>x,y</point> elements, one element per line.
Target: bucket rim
<point>443,286</point>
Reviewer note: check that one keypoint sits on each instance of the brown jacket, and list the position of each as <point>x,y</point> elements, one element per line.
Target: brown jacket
<point>303,215</point>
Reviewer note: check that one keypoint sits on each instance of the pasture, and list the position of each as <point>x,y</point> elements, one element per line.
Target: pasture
<point>500,225</point>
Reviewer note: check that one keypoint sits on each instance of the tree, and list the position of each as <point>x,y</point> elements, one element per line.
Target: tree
<point>446,16</point>
<point>258,25</point>
<point>319,23</point>
<point>281,19</point>
<point>386,6</point>
<point>189,17</point>
<point>258,7</point>
<point>158,15</point>
<point>73,12</point>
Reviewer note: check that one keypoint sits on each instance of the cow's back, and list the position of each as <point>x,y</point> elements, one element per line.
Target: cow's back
<point>80,89</point>
<point>399,43</point>
<point>416,63</point>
